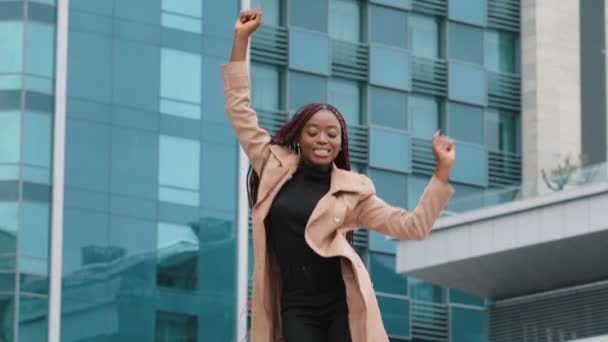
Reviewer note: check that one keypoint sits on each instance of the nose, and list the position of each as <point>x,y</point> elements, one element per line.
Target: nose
<point>322,138</point>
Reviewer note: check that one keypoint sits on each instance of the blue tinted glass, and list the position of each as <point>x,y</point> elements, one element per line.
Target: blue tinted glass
<point>397,75</point>
<point>467,83</point>
<point>421,290</point>
<point>179,162</point>
<point>172,326</point>
<point>136,31</point>
<point>213,105</point>
<point>84,50</point>
<point>7,316</point>
<point>11,43</point>
<point>134,239</point>
<point>88,21</point>
<point>405,4</point>
<point>193,8</point>
<point>180,75</point>
<point>85,240</point>
<point>101,7</point>
<point>265,87</point>
<point>300,58</point>
<point>502,130</point>
<point>457,296</point>
<point>465,43</point>
<point>134,207</point>
<point>465,122</point>
<point>178,247</point>
<point>29,306</point>
<point>147,11</point>
<point>304,89</point>
<point>468,11</point>
<point>425,112</point>
<point>40,49</point>
<point>271,9</point>
<point>424,36</point>
<point>87,155</point>
<point>388,26</point>
<point>390,186</point>
<point>218,177</point>
<point>12,10</point>
<point>389,149</point>
<point>34,238</point>
<point>384,277</point>
<point>466,197</point>
<point>346,96</point>
<point>10,137</point>
<point>219,22</point>
<point>311,14</point>
<point>134,161</point>
<point>471,165</point>
<point>37,144</point>
<point>415,188</point>
<point>344,20</point>
<point>88,110</point>
<point>501,51</point>
<point>396,316</point>
<point>8,231</point>
<point>388,108</point>
<point>135,74</point>
<point>468,325</point>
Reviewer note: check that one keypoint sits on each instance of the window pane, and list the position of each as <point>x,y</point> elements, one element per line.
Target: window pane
<point>398,142</point>
<point>271,9</point>
<point>172,326</point>
<point>10,137</point>
<point>468,325</point>
<point>465,43</point>
<point>7,306</point>
<point>466,197</point>
<point>469,11</point>
<point>265,87</point>
<point>467,83</point>
<point>37,144</point>
<point>457,296</point>
<point>135,74</point>
<point>305,88</point>
<point>421,290</point>
<point>84,50</point>
<point>396,316</point>
<point>344,20</point>
<point>34,237</point>
<point>346,96</point>
<point>134,161</point>
<point>384,277</point>
<point>415,188</point>
<point>178,247</point>
<point>85,239</point>
<point>404,4</point>
<point>465,122</point>
<point>220,163</point>
<point>87,155</point>
<point>40,49</point>
<point>388,108</point>
<point>33,329</point>
<point>501,51</point>
<point>424,36</point>
<point>301,43</point>
<point>397,76</point>
<point>180,75</point>
<point>11,45</point>
<point>179,162</point>
<point>388,26</point>
<point>8,231</point>
<point>193,8</point>
<point>311,14</point>
<point>502,130</point>
<point>471,165</point>
<point>425,113</point>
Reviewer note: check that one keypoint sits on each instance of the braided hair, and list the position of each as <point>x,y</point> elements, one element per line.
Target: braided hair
<point>288,136</point>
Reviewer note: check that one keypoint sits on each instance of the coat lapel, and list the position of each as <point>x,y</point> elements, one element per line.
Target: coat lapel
<point>276,171</point>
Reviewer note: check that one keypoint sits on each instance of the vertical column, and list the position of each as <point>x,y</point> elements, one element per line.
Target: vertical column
<point>56,248</point>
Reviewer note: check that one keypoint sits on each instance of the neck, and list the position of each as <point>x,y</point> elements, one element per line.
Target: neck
<point>324,168</point>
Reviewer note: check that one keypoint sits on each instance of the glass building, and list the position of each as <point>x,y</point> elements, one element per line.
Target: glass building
<point>120,104</point>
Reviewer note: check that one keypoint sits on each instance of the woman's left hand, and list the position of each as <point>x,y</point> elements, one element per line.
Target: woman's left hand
<point>444,151</point>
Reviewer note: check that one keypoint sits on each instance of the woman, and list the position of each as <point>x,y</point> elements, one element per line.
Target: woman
<point>308,282</point>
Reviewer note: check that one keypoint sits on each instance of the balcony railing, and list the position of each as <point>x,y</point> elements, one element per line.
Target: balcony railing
<point>270,45</point>
<point>423,161</point>
<point>432,7</point>
<point>429,76</point>
<point>271,120</point>
<point>429,321</point>
<point>504,168</point>
<point>504,91</point>
<point>349,60</point>
<point>358,142</point>
<point>504,14</point>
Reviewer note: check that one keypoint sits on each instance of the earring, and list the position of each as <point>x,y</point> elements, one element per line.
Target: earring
<point>298,148</point>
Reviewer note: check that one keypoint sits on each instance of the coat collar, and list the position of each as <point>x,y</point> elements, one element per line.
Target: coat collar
<point>341,180</point>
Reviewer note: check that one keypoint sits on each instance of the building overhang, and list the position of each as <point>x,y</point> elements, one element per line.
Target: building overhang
<point>518,248</point>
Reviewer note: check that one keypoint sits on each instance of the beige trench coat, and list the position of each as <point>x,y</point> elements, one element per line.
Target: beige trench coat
<point>350,203</point>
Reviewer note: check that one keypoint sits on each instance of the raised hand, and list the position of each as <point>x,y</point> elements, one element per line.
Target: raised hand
<point>247,22</point>
<point>444,151</point>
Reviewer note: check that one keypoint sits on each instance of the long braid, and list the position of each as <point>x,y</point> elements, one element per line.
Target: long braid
<point>287,136</point>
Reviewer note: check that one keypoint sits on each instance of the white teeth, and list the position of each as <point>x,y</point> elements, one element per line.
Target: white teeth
<point>320,152</point>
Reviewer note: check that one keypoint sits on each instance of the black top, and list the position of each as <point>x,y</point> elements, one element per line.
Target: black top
<point>308,278</point>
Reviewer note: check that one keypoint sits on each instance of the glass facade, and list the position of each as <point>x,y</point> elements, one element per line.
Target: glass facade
<point>151,163</point>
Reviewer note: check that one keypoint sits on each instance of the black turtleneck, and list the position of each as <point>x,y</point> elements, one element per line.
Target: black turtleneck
<point>308,278</point>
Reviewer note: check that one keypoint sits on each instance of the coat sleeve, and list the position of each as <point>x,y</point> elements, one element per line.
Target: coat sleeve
<point>254,140</point>
<point>375,214</point>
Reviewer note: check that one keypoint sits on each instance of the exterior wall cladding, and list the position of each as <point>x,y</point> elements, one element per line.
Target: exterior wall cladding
<point>150,193</point>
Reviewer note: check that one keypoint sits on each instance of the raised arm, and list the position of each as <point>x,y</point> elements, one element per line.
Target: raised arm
<point>375,214</point>
<point>235,76</point>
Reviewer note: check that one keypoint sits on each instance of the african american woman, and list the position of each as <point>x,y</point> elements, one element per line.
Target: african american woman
<point>309,284</point>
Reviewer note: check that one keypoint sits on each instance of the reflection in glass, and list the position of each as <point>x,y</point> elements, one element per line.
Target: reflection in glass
<point>265,86</point>
<point>34,237</point>
<point>179,167</point>
<point>33,318</point>
<point>388,26</point>
<point>180,83</point>
<point>177,256</point>
<point>37,139</point>
<point>11,45</point>
<point>8,230</point>
<point>424,36</point>
<point>465,43</point>
<point>310,14</point>
<point>10,137</point>
<point>306,88</point>
<point>40,48</point>
<point>425,112</point>
<point>388,108</point>
<point>346,96</point>
<point>465,123</point>
<point>396,315</point>
<point>271,9</point>
<point>7,309</point>
<point>421,290</point>
<point>501,51</point>
<point>344,20</point>
<point>502,130</point>
<point>175,327</point>
<point>382,271</point>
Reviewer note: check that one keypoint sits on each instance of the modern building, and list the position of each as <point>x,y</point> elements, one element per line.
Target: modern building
<point>122,204</point>
<point>537,251</point>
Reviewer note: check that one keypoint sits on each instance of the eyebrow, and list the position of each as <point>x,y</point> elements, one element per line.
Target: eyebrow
<point>315,125</point>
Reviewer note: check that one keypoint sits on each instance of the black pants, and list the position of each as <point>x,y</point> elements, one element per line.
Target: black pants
<point>328,324</point>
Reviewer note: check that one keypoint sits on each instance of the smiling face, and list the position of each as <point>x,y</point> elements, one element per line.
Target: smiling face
<point>320,139</point>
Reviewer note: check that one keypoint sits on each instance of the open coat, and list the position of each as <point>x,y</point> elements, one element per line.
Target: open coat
<point>350,203</point>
